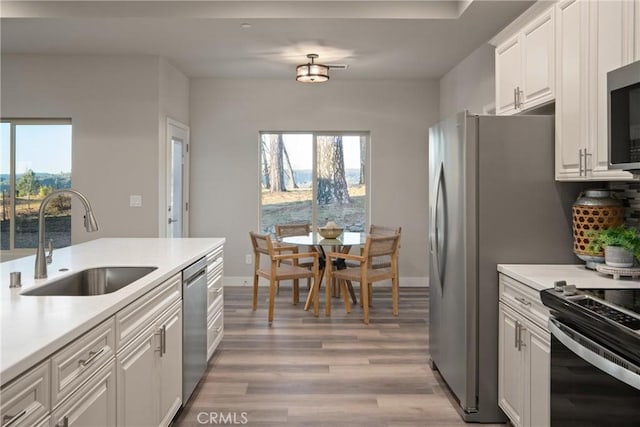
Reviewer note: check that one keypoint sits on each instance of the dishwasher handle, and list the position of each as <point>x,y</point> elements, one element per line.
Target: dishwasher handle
<point>194,271</point>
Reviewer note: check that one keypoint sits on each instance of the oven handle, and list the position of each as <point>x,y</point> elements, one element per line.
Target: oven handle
<point>598,360</point>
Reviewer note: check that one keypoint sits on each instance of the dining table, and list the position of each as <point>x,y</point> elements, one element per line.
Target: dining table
<point>342,244</point>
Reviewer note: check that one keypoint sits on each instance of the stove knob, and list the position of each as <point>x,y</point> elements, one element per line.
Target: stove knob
<point>559,285</point>
<point>569,290</point>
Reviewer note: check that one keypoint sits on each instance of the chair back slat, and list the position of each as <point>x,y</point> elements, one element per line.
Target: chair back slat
<point>383,230</point>
<point>285,230</point>
<point>381,245</point>
<point>261,243</point>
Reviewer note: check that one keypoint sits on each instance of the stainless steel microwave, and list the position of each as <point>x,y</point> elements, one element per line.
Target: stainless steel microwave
<point>623,86</point>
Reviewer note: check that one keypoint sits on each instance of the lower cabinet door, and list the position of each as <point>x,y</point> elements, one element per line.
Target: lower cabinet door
<point>93,404</point>
<point>137,390</point>
<point>170,365</point>
<point>538,392</point>
<point>510,366</point>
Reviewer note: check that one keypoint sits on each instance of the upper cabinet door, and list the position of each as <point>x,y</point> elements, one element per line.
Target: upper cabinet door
<point>508,70</point>
<point>538,65</point>
<point>571,89</point>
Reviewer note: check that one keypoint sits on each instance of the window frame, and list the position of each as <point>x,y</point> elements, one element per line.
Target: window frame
<point>314,184</point>
<point>14,252</point>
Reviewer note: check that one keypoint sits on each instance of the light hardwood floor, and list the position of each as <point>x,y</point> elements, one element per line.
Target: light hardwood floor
<point>307,371</point>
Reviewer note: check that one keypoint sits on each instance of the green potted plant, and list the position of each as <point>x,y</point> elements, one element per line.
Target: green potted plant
<point>621,244</point>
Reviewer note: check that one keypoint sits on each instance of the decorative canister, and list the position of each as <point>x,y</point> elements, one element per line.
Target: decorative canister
<point>594,209</point>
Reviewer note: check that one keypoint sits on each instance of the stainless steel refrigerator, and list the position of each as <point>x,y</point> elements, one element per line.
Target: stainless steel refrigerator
<point>492,199</point>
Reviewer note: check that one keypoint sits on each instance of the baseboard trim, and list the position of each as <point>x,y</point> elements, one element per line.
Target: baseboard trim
<point>405,282</point>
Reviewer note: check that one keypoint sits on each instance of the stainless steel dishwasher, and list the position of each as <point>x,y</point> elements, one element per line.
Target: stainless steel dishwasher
<point>194,326</point>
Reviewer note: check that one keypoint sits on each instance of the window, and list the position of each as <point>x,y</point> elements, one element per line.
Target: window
<point>35,160</point>
<point>315,178</point>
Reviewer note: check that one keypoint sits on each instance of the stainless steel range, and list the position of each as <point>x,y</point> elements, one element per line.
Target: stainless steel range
<point>595,357</point>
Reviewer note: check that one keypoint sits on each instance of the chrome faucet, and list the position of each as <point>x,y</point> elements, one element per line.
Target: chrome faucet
<point>90,225</point>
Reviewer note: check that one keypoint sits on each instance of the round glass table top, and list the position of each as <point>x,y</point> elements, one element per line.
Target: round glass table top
<point>347,238</point>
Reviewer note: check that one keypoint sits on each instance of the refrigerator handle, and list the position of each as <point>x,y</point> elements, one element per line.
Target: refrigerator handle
<point>438,242</point>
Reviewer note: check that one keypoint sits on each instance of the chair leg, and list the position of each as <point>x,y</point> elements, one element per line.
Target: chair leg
<point>328,290</point>
<point>296,292</point>
<point>255,292</point>
<point>370,288</point>
<point>345,295</point>
<point>394,295</point>
<point>365,302</point>
<point>272,296</point>
<point>316,295</point>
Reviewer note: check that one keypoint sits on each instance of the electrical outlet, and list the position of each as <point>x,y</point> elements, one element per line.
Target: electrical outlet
<point>248,259</point>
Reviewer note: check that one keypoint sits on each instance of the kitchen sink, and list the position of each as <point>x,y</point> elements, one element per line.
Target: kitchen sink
<point>92,281</point>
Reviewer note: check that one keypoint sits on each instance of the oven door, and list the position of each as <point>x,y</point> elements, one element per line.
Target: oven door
<point>590,385</point>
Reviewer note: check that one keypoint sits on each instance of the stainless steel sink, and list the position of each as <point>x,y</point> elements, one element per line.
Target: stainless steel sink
<point>93,281</point>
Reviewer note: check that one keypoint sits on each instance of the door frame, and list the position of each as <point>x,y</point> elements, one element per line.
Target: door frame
<point>175,128</point>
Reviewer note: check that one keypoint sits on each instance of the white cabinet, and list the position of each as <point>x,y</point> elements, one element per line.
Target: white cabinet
<point>524,355</point>
<point>149,365</point>
<point>525,65</point>
<point>215,300</point>
<point>592,38</point>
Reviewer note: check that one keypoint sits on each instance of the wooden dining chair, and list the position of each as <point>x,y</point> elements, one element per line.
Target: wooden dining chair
<point>365,274</point>
<point>378,261</point>
<point>277,271</point>
<point>299,229</point>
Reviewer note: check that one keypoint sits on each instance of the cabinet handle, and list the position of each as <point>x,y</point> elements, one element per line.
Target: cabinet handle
<point>520,96</point>
<point>523,301</point>
<point>65,422</point>
<point>515,98</point>
<point>520,342</point>
<point>515,338</point>
<point>92,356</point>
<point>580,162</point>
<point>163,340</point>
<point>8,420</point>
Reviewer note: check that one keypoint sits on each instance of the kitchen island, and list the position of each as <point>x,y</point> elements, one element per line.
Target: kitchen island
<point>35,331</point>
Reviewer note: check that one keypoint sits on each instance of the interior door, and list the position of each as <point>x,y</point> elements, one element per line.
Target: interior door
<point>177,179</point>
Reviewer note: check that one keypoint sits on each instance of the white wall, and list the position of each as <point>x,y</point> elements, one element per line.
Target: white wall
<point>470,85</point>
<point>227,115</point>
<point>114,105</point>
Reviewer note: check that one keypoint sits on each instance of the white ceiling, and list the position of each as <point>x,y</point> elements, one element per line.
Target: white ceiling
<point>376,39</point>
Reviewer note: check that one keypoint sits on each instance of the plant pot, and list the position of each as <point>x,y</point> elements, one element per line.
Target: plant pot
<point>617,256</point>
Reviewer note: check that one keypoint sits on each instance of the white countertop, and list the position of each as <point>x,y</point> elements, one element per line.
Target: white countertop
<point>33,327</point>
<point>542,276</point>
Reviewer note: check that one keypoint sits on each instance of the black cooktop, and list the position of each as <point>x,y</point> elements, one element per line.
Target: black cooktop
<point>608,316</point>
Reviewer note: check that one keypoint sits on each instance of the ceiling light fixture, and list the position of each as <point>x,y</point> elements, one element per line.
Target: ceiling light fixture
<point>312,72</point>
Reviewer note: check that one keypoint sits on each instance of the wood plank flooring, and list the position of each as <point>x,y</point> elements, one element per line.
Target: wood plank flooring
<point>307,371</point>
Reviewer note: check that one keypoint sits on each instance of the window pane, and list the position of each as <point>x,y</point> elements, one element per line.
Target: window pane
<point>286,179</point>
<point>5,165</point>
<point>341,190</point>
<point>43,163</point>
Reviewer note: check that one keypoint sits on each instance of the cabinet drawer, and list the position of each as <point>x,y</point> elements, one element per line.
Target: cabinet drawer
<point>214,296</point>
<point>27,399</point>
<point>137,316</point>
<point>93,403</point>
<point>215,331</point>
<point>74,364</point>
<point>214,257</point>
<point>524,299</point>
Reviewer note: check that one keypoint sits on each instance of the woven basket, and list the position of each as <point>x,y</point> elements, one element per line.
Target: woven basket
<point>588,218</point>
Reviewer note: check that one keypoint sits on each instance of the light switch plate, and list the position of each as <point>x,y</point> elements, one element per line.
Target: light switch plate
<point>135,201</point>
